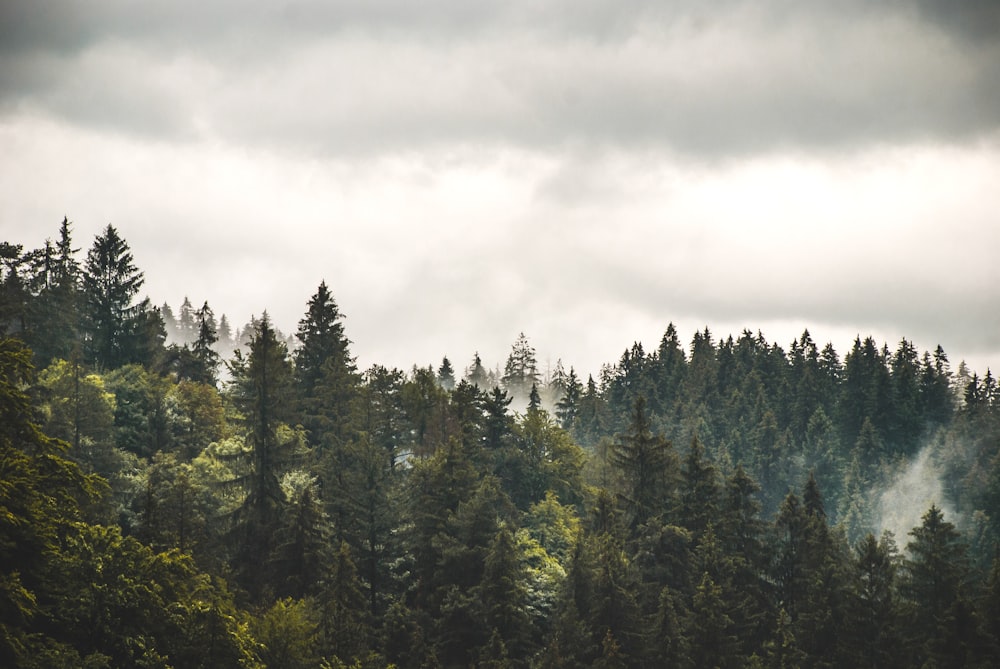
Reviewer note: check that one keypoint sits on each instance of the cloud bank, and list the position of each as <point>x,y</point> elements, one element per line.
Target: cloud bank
<point>583,171</point>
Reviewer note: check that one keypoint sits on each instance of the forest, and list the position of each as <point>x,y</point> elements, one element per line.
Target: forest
<point>179,492</point>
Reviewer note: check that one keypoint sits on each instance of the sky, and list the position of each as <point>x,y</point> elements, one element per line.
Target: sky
<point>584,172</point>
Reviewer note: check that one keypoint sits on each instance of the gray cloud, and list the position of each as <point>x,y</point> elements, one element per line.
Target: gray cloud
<point>584,171</point>
<point>702,79</point>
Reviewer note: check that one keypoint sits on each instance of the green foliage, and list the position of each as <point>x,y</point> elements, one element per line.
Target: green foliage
<point>649,469</point>
<point>261,393</point>
<point>287,635</point>
<point>404,519</point>
<point>111,319</point>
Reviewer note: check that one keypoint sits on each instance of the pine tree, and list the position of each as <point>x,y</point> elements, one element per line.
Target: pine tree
<point>590,416</point>
<point>503,594</point>
<point>649,468</point>
<point>521,370</point>
<point>699,491</point>
<point>671,366</point>
<point>934,581</point>
<point>54,313</point>
<point>345,625</point>
<point>325,372</point>
<point>907,422</point>
<point>446,374</point>
<point>187,328</point>
<point>710,629</point>
<point>874,634</point>
<point>111,282</point>
<point>261,392</point>
<point>476,374</point>
<point>300,556</point>
<point>568,405</point>
<point>226,338</point>
<point>204,346</point>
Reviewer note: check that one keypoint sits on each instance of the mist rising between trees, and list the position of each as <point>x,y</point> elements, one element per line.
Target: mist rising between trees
<point>177,492</point>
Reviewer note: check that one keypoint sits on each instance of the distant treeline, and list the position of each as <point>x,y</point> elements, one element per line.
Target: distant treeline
<point>719,504</point>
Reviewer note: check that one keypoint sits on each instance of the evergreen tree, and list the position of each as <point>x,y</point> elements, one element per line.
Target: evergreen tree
<point>521,370</point>
<point>590,416</point>
<point>476,374</point>
<point>261,392</point>
<point>325,373</point>
<point>503,594</point>
<point>111,282</point>
<point>344,623</point>
<point>710,629</point>
<point>699,491</point>
<point>446,375</point>
<point>649,468</point>
<point>865,390</point>
<point>169,322</point>
<point>226,338</point>
<point>670,370</point>
<point>300,556</point>
<point>907,423</point>
<point>568,405</point>
<point>874,621</point>
<point>936,401</point>
<point>203,347</point>
<point>54,313</point>
<point>187,327</point>
<point>934,581</point>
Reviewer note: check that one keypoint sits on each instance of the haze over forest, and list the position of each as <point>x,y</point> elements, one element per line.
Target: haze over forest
<point>181,493</point>
<point>508,335</point>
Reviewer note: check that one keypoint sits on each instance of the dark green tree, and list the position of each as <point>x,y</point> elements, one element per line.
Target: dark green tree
<point>568,404</point>
<point>874,630</point>
<point>54,312</point>
<point>261,391</point>
<point>325,372</point>
<point>111,317</point>
<point>301,555</point>
<point>933,585</point>
<point>345,622</point>
<point>698,503</point>
<point>203,347</point>
<point>504,594</point>
<point>907,422</point>
<point>670,368</point>
<point>710,628</point>
<point>649,469</point>
<point>446,374</point>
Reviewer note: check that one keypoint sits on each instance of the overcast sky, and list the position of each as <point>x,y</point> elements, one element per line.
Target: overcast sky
<point>585,172</point>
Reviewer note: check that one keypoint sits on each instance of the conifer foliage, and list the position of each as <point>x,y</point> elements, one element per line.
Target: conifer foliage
<point>159,509</point>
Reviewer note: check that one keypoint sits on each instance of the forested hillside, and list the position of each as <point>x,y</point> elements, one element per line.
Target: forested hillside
<point>177,492</point>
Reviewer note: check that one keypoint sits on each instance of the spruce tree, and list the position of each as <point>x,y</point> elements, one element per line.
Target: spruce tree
<point>521,370</point>
<point>446,374</point>
<point>874,629</point>
<point>648,466</point>
<point>54,313</point>
<point>325,372</point>
<point>111,282</point>
<point>203,348</point>
<point>261,392</point>
<point>934,585</point>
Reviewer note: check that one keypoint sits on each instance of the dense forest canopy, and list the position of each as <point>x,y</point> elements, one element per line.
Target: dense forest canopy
<point>179,492</point>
